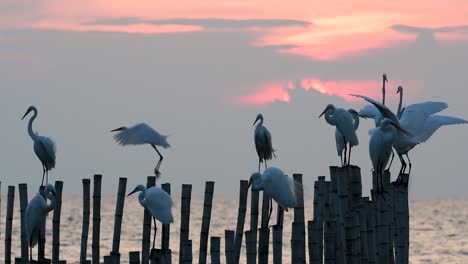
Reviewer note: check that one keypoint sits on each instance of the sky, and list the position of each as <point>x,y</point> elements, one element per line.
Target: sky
<point>200,71</point>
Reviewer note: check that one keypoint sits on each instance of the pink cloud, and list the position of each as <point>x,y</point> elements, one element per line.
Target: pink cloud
<point>280,91</point>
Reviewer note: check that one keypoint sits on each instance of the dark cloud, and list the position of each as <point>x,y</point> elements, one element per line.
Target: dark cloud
<point>425,30</point>
<point>206,22</point>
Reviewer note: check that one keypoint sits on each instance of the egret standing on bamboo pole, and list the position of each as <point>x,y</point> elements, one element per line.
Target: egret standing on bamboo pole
<point>35,215</point>
<point>262,139</point>
<point>157,202</point>
<point>140,134</point>
<point>343,121</point>
<point>44,147</point>
<point>277,185</point>
<point>340,140</point>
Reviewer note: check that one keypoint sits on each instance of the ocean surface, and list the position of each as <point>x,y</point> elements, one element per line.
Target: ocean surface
<point>439,228</point>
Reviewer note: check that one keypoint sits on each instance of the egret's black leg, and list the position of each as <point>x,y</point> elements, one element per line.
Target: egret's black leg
<point>271,210</point>
<point>266,166</point>
<point>391,160</point>
<point>259,161</point>
<point>43,174</point>
<point>154,236</point>
<point>349,156</point>
<point>409,162</point>
<point>345,149</point>
<point>47,177</point>
<point>30,253</point>
<point>341,158</point>
<point>403,164</point>
<point>156,170</point>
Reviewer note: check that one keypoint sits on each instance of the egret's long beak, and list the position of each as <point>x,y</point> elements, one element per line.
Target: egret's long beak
<point>361,116</point>
<point>134,191</point>
<point>398,91</point>
<point>324,111</point>
<point>117,129</point>
<point>255,121</point>
<point>27,112</point>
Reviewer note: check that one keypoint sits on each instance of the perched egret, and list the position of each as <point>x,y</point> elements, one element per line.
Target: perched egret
<point>44,147</point>
<point>343,121</point>
<point>380,146</point>
<point>277,185</point>
<point>262,139</point>
<point>340,140</point>
<point>35,216</point>
<point>157,202</point>
<point>384,80</point>
<point>140,134</point>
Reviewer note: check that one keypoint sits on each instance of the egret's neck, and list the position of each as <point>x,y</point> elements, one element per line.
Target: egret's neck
<point>260,122</point>
<point>50,206</point>
<point>400,104</point>
<point>356,121</point>
<point>383,91</point>
<point>141,198</point>
<point>31,120</point>
<point>330,118</point>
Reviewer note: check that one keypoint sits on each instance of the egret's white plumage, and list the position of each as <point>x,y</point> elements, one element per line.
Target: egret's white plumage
<point>44,147</point>
<point>35,215</point>
<point>370,111</point>
<point>340,140</point>
<point>344,122</point>
<point>263,145</point>
<point>277,185</point>
<point>157,202</point>
<point>140,134</point>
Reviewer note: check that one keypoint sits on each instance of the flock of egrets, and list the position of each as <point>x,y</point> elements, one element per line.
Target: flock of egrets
<point>402,131</point>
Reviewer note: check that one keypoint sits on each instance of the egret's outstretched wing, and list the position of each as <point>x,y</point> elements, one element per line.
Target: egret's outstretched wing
<point>434,122</point>
<point>46,151</point>
<point>370,111</point>
<point>141,134</point>
<point>387,113</point>
<point>414,117</point>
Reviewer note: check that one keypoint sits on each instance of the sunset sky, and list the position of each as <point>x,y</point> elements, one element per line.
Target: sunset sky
<point>201,71</point>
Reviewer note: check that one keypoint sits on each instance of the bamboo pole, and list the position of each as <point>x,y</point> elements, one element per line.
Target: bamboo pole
<point>215,250</point>
<point>119,207</point>
<point>340,194</point>
<point>56,223</point>
<point>42,238</point>
<point>134,257</point>
<point>187,256</point>
<point>330,239</point>
<point>205,226</point>
<point>401,221</point>
<point>254,201</point>
<point>298,235</point>
<point>243,191</point>
<point>185,218</point>
<point>320,201</point>
<point>23,193</point>
<point>107,260</point>
<point>277,244</point>
<point>96,218</point>
<point>166,228</point>
<point>229,246</point>
<point>372,230</point>
<point>315,239</point>
<point>264,232</point>
<point>86,213</point>
<point>9,223</point>
<point>251,246</point>
<point>363,230</point>
<point>146,237</point>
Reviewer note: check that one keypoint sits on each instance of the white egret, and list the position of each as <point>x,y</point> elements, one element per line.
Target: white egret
<point>277,185</point>
<point>44,147</point>
<point>262,139</point>
<point>35,215</point>
<point>140,134</point>
<point>380,146</point>
<point>343,121</point>
<point>157,202</point>
<point>340,140</point>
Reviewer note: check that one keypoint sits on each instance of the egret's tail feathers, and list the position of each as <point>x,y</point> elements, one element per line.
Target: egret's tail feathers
<point>165,144</point>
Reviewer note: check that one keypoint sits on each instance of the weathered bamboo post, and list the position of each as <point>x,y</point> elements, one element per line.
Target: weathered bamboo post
<point>205,226</point>
<point>329,241</point>
<point>86,213</point>
<point>340,193</point>
<point>185,218</point>
<point>401,220</point>
<point>298,254</point>
<point>215,250</point>
<point>119,207</point>
<point>352,238</point>
<point>251,246</point>
<point>9,223</point>
<point>277,244</point>
<point>243,191</point>
<point>383,229</point>
<point>371,231</point>
<point>134,257</point>
<point>229,246</point>
<point>315,234</point>
<point>96,217</point>
<point>42,239</point>
<point>23,193</point>
<point>166,254</point>
<point>264,232</point>
<point>363,230</point>
<point>107,260</point>
<point>145,242</point>
<point>254,201</point>
<point>56,223</point>
<point>187,257</point>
